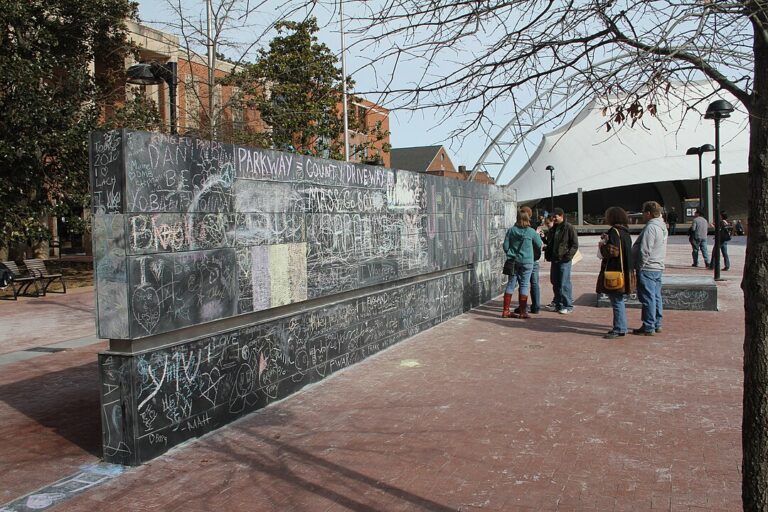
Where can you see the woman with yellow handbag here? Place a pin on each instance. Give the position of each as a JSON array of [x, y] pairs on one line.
[[616, 272]]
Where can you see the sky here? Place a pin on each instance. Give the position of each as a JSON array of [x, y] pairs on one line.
[[407, 129]]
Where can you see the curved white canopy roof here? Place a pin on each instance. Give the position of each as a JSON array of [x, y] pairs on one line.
[[585, 155]]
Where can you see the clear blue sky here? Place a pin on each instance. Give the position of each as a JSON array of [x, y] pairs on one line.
[[407, 128]]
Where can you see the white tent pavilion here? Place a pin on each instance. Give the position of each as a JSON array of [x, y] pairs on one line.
[[586, 155]]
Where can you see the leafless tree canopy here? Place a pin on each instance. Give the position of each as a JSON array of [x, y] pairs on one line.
[[477, 55]]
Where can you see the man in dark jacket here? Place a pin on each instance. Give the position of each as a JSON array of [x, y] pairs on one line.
[[562, 244]]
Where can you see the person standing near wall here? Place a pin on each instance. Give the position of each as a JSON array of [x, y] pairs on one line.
[[535, 296], [563, 242], [615, 248], [548, 229], [697, 236], [648, 254], [518, 246]]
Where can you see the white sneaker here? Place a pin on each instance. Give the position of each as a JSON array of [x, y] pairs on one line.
[[566, 311]]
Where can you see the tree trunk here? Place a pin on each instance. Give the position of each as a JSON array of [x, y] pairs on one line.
[[755, 286]]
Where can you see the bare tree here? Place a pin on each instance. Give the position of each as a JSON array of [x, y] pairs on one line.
[[212, 31], [476, 56]]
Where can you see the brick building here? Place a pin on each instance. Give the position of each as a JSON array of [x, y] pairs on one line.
[[193, 96]]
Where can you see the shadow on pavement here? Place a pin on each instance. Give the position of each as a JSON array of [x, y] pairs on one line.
[[287, 455], [546, 321], [65, 402]]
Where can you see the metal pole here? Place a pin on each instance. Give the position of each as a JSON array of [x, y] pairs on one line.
[[701, 185], [171, 81], [211, 71], [716, 213], [580, 192], [551, 191], [344, 82]]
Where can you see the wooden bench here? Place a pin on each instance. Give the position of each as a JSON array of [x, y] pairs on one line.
[[20, 281], [37, 268]]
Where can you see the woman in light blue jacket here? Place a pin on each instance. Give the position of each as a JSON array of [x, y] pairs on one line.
[[518, 245]]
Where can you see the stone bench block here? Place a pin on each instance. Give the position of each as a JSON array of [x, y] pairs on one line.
[[690, 293]]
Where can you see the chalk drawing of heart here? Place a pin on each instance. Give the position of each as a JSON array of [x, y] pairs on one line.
[[145, 305], [43, 500]]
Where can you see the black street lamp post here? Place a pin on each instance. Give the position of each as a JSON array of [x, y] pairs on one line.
[[551, 188], [717, 110], [700, 151], [154, 73]]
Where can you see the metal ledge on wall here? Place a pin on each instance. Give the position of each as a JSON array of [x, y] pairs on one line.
[[164, 340]]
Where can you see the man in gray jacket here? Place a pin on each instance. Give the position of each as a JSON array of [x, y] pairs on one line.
[[697, 236], [648, 253]]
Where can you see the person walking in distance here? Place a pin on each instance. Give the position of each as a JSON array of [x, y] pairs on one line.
[[534, 303], [738, 228], [697, 236], [725, 237], [518, 246], [672, 220], [615, 248], [648, 254], [562, 244]]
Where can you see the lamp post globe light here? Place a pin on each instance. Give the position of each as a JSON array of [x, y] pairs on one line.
[[551, 188], [153, 73], [717, 110], [700, 151]]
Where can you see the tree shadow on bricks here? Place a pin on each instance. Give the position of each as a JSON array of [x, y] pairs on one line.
[[331, 481], [65, 403]]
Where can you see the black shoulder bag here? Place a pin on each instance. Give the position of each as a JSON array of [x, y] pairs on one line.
[[509, 265]]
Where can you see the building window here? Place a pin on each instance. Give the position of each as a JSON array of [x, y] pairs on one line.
[[218, 105], [238, 109], [358, 115], [191, 103]]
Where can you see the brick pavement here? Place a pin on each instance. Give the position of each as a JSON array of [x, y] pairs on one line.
[[478, 413], [35, 321]]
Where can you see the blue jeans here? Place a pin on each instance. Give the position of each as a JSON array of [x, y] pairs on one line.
[[560, 275], [535, 289], [619, 311], [700, 245], [649, 295], [521, 277], [724, 252]]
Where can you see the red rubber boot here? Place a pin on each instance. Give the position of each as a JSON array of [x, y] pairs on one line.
[[505, 313], [523, 307]]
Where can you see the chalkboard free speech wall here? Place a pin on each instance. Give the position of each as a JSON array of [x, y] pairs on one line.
[[191, 232]]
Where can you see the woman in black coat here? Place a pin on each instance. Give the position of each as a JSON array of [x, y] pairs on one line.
[[616, 252]]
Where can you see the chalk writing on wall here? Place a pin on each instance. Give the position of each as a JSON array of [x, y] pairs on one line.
[[188, 389], [182, 289], [190, 232], [292, 227], [106, 161]]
